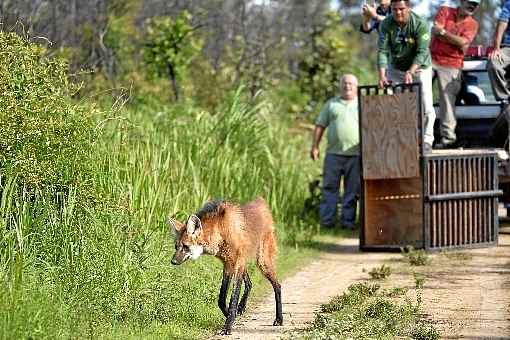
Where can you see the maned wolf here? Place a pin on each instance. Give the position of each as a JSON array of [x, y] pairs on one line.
[[232, 233]]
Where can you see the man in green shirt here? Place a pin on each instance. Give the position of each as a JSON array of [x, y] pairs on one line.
[[340, 117], [404, 41]]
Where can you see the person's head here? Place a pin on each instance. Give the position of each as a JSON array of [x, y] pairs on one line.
[[348, 86], [400, 10], [468, 7], [385, 3]]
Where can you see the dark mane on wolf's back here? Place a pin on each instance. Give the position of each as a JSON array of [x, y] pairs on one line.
[[210, 209]]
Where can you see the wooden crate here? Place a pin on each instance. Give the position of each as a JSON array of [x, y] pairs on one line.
[[437, 200]]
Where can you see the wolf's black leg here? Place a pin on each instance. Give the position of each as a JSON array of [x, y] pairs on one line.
[[278, 298], [232, 308], [244, 299], [222, 298]]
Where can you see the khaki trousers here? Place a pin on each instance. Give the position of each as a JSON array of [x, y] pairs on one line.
[[449, 85], [497, 70]]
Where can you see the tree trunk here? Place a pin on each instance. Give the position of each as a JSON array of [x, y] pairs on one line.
[[74, 17], [173, 81], [2, 18], [55, 21]]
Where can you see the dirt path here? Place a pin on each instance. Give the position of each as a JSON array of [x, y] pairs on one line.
[[466, 296], [303, 293], [470, 298]]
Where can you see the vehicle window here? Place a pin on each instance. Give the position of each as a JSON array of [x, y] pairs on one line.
[[476, 89]]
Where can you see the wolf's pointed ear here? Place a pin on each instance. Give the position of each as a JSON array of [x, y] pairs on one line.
[[221, 208], [194, 226], [175, 225]]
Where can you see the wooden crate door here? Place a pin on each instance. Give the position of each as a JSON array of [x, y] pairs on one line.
[[390, 136], [393, 213]]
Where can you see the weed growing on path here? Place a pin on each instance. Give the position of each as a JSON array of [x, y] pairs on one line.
[[367, 312], [380, 273], [419, 280], [415, 257]]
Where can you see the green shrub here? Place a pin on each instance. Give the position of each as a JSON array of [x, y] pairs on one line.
[[380, 273], [356, 294], [419, 280], [44, 137], [425, 331], [379, 308], [415, 257], [366, 312]]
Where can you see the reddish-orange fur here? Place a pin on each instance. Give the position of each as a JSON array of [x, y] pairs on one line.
[[233, 234]]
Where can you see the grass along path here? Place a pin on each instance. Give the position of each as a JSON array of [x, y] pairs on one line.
[[466, 294]]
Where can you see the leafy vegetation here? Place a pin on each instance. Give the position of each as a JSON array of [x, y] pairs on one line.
[[171, 46], [366, 311], [380, 273], [331, 53], [43, 134], [415, 257], [84, 250]]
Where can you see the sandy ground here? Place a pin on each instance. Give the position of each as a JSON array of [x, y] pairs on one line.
[[466, 296]]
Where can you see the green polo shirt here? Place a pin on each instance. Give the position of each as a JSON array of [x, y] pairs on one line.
[[404, 46], [340, 117]]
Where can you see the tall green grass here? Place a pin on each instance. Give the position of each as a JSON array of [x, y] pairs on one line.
[[92, 261]]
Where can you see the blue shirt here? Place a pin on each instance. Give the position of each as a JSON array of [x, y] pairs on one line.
[[505, 17]]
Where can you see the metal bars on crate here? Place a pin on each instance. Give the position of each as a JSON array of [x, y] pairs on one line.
[[461, 200]]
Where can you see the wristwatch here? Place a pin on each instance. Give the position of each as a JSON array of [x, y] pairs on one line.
[[442, 31]]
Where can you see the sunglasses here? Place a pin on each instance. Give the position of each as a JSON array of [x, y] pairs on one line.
[[472, 3]]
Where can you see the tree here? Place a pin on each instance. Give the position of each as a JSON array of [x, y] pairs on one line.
[[329, 54], [171, 46]]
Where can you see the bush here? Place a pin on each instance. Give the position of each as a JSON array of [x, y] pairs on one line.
[[380, 273], [367, 312], [415, 257], [425, 331], [44, 137]]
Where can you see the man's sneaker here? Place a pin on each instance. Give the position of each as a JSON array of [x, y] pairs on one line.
[[444, 144], [427, 148]]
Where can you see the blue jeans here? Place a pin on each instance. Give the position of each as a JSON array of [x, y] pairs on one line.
[[336, 166]]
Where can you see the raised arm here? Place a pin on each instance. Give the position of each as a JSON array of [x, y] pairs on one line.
[[462, 41]]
